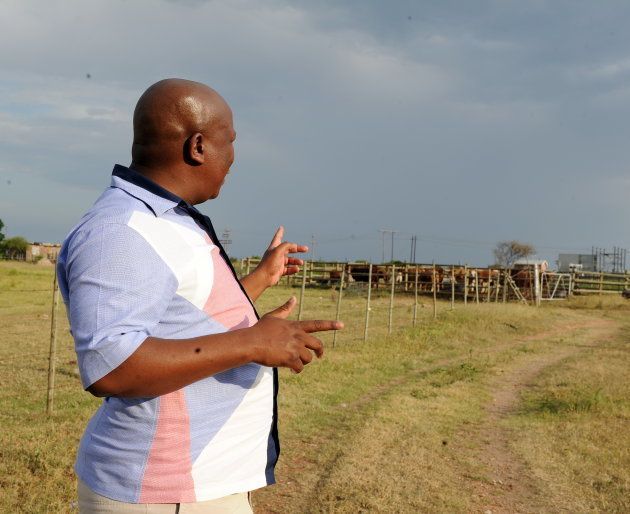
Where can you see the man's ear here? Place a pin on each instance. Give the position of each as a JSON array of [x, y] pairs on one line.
[[194, 149]]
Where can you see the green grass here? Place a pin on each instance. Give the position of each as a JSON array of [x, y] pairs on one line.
[[377, 426]]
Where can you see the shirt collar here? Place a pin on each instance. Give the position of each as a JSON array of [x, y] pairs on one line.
[[158, 199]]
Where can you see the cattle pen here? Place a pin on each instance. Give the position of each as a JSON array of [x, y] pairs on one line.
[[453, 282]]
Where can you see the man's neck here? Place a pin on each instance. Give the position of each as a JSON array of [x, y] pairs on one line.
[[172, 180]]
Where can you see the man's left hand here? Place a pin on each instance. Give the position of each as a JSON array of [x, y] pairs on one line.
[[275, 263]]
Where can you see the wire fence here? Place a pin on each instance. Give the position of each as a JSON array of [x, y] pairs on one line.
[[370, 295]]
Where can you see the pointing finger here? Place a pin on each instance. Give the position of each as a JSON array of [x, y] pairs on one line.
[[320, 325]]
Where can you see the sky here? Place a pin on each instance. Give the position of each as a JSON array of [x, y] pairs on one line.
[[462, 123]]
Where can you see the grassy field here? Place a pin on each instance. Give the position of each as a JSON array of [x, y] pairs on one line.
[[504, 408]]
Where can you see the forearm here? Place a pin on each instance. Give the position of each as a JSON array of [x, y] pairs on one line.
[[255, 284], [161, 366]]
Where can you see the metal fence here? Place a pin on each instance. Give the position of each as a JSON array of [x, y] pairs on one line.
[[449, 283]]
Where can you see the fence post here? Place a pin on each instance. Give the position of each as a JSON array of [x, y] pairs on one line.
[[302, 290], [505, 283], [391, 301], [367, 305], [477, 286], [488, 285], [465, 284], [452, 288], [497, 286], [247, 266], [601, 282], [52, 353], [343, 276], [537, 286], [415, 292], [434, 293]]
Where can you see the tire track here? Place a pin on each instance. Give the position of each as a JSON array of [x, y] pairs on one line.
[[510, 488]]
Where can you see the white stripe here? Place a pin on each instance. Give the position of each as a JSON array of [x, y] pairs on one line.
[[184, 251], [237, 454]]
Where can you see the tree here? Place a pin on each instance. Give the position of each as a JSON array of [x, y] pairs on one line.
[[507, 253], [1, 234], [14, 247]]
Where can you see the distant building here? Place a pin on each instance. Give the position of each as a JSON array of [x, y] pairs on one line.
[[568, 262], [40, 251], [526, 262]]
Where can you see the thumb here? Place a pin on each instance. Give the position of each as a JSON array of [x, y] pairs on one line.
[[277, 238], [284, 310]]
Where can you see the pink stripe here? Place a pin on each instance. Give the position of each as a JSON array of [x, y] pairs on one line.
[[227, 304], [167, 477]]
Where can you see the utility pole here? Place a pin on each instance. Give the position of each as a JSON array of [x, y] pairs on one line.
[[384, 231], [412, 254], [393, 232], [313, 241], [225, 238]]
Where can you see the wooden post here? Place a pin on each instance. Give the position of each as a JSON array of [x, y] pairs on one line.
[[247, 268], [601, 282], [466, 284], [391, 301], [343, 276], [434, 293], [505, 283], [415, 292], [537, 288], [52, 353], [302, 291], [488, 285], [497, 286], [452, 288], [240, 268], [476, 286], [367, 305]]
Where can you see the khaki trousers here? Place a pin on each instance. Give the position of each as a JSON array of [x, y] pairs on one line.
[[93, 503]]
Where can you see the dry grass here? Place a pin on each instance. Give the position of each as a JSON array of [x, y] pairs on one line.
[[575, 430], [385, 426]]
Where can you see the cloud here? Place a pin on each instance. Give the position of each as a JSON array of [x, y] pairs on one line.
[[470, 119]]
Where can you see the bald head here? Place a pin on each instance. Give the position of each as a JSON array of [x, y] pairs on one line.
[[182, 138], [168, 113]]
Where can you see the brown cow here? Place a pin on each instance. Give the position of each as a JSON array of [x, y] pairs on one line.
[[425, 277]]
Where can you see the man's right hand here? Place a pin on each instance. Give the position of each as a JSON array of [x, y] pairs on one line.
[[161, 366], [281, 342]]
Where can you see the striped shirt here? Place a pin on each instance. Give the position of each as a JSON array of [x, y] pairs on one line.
[[144, 263]]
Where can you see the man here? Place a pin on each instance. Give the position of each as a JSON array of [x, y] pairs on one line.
[[164, 330]]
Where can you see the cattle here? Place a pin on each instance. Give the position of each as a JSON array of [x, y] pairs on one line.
[[524, 280], [425, 277], [360, 273], [486, 279]]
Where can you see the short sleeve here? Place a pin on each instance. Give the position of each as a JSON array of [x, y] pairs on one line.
[[118, 290]]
